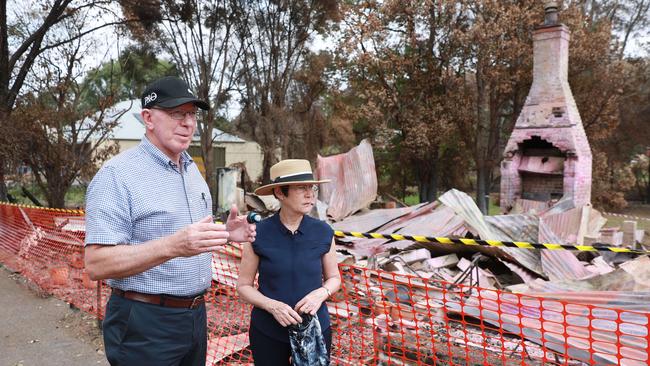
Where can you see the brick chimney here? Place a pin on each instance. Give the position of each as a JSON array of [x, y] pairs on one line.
[[547, 157]]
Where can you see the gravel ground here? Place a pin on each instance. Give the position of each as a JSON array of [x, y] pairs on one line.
[[36, 329]]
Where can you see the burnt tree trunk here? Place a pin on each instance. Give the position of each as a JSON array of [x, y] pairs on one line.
[[482, 140], [428, 180], [647, 187]]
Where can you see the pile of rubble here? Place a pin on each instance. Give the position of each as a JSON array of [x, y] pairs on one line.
[[344, 204], [457, 216], [462, 272]]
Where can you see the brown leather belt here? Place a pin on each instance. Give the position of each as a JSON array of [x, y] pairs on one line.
[[162, 300]]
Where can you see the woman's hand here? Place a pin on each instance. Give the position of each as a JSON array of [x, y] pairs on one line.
[[283, 313], [312, 302]]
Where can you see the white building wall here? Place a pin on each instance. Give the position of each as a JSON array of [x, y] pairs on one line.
[[127, 144], [247, 152]]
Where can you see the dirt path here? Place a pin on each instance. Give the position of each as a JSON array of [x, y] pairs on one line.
[[37, 330]]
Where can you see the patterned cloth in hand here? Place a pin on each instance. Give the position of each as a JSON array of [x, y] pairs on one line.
[[307, 344]]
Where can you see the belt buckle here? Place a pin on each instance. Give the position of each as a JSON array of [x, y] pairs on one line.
[[195, 302]]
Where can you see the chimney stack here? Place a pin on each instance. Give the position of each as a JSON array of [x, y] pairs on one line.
[[547, 157], [550, 10]]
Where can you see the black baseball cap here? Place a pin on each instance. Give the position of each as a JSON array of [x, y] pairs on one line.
[[170, 92]]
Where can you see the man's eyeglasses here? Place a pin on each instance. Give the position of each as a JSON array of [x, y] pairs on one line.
[[179, 115], [306, 188]]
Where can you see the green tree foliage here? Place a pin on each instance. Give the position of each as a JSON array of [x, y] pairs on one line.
[[27, 30], [127, 76]]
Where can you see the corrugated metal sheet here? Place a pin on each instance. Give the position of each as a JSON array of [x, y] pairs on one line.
[[583, 292], [519, 227], [555, 265], [559, 265], [440, 222], [632, 276], [372, 220], [624, 300], [354, 181], [565, 225], [596, 222], [391, 227], [565, 204], [465, 207], [423, 220]]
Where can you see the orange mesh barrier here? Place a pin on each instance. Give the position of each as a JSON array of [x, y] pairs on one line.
[[46, 246], [378, 317]]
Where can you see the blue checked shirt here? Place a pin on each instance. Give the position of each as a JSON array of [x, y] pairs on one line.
[[141, 195]]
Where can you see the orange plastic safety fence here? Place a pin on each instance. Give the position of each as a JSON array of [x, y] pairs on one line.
[[46, 246], [378, 317], [383, 317]]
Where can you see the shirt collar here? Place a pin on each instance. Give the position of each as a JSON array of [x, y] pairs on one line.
[[284, 229], [160, 157]]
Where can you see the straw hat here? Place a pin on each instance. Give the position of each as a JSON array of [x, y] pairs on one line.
[[289, 172]]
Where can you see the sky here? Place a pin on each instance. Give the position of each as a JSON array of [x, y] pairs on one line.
[[638, 47]]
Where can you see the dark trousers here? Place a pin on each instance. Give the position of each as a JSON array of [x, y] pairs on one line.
[[141, 334], [268, 351]]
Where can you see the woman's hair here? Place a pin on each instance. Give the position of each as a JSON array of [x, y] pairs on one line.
[[284, 189]]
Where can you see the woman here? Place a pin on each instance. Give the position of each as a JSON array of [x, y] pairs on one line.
[[296, 260]]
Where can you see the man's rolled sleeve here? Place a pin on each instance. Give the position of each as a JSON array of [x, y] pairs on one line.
[[108, 213]]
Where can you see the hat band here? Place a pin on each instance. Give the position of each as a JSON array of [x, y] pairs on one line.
[[294, 178]]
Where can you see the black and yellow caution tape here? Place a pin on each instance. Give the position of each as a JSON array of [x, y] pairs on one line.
[[598, 247], [62, 210]]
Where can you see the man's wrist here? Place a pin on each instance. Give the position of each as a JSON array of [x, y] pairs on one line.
[[168, 245]]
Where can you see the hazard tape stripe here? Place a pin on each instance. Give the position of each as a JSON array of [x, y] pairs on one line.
[[62, 210], [598, 247]]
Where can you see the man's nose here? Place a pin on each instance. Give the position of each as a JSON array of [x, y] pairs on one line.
[[187, 120]]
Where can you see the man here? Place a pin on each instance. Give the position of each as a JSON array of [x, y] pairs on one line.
[[150, 232]]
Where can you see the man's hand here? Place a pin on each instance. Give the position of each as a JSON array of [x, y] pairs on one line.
[[312, 302], [199, 237], [283, 313], [239, 229]]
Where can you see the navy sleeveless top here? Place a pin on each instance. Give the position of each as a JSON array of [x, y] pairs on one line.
[[290, 267]]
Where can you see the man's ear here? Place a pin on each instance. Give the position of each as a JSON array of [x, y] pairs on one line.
[[146, 118]]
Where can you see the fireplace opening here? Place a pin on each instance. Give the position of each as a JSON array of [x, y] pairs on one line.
[[536, 146], [541, 170]]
